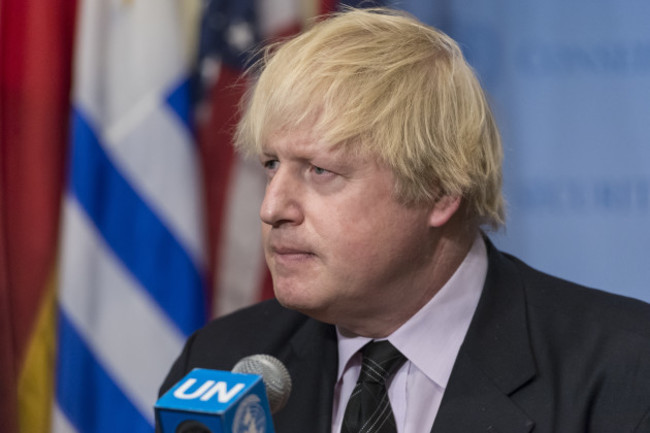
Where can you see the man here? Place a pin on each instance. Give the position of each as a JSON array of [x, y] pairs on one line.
[[383, 164]]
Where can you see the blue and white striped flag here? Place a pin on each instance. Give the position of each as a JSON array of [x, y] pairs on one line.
[[132, 261]]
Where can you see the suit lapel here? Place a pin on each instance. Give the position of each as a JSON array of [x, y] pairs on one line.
[[474, 404], [312, 361], [494, 361]]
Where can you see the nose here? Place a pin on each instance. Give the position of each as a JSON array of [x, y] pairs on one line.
[[282, 203]]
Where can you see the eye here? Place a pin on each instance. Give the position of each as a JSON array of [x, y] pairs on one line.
[[319, 170], [321, 175], [270, 164], [270, 167]]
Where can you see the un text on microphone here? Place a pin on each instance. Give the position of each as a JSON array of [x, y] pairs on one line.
[[211, 401]]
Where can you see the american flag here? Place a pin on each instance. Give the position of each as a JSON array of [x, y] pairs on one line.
[[234, 186]]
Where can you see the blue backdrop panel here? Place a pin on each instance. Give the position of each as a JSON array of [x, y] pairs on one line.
[[570, 86]]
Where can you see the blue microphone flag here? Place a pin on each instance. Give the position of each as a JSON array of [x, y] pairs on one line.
[[211, 401]]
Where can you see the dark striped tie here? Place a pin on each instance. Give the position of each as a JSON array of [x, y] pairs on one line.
[[368, 409]]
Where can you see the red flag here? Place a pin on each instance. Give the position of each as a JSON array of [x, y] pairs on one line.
[[35, 67]]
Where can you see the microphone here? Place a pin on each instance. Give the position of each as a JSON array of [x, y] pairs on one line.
[[212, 401]]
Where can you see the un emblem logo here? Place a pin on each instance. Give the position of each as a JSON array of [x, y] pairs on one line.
[[250, 416]]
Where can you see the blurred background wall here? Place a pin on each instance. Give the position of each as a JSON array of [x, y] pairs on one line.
[[126, 220]]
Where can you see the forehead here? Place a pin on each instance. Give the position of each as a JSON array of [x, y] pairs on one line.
[[303, 142]]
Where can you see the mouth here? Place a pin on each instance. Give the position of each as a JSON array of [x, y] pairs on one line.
[[289, 254]]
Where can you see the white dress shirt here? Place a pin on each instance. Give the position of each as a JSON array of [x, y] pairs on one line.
[[430, 340]]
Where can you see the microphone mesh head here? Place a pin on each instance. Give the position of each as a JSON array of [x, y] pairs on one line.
[[274, 374]]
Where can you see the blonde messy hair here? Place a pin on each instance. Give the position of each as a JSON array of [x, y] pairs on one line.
[[380, 82]]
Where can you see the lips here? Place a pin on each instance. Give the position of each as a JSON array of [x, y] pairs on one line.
[[283, 250], [289, 254]]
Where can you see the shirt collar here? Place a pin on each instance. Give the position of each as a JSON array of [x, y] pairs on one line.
[[432, 337]]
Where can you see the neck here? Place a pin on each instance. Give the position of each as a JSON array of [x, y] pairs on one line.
[[449, 249]]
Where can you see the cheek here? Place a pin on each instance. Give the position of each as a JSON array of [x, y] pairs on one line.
[[266, 229], [362, 246], [396, 238]]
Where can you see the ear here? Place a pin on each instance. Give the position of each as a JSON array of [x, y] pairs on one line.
[[443, 209]]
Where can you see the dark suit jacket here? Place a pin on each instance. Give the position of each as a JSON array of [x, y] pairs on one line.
[[541, 355]]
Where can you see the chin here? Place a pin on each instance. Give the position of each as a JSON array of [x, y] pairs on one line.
[[304, 304], [294, 302]]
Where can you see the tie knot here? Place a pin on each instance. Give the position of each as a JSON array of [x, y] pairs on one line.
[[380, 360]]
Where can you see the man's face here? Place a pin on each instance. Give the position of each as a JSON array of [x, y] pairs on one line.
[[341, 248]]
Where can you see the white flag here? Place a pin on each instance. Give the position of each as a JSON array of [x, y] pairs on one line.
[[132, 260]]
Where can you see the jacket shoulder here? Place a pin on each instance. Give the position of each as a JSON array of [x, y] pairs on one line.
[[266, 328], [262, 328], [595, 344], [580, 306]]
